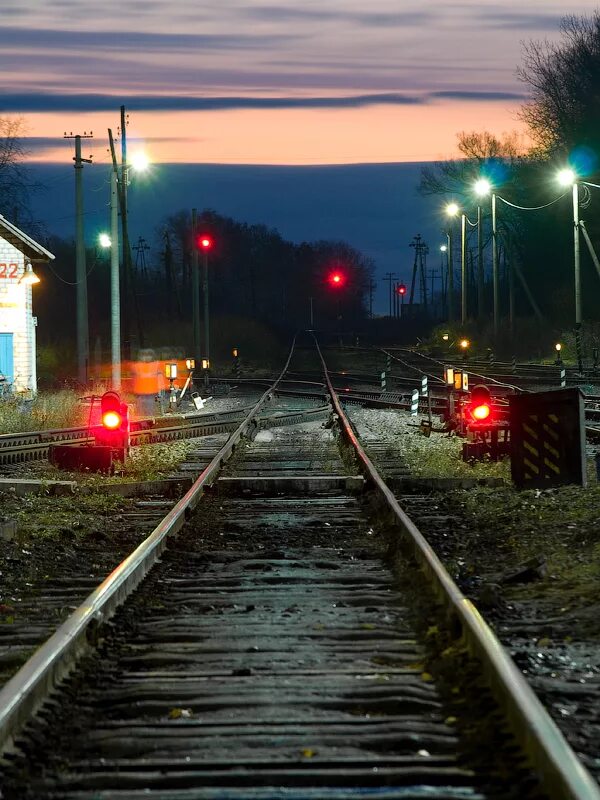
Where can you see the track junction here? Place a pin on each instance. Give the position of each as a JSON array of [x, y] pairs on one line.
[[274, 650]]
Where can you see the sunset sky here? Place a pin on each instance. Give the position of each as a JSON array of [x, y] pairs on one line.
[[269, 82], [236, 102]]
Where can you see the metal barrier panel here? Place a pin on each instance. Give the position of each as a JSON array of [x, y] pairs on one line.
[[547, 432]]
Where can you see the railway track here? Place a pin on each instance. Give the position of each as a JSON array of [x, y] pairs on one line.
[[270, 653]]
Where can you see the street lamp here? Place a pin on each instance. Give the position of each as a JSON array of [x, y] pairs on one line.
[[112, 241], [567, 177], [558, 348], [451, 211], [482, 189]]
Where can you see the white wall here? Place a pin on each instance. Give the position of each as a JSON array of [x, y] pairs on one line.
[[16, 317]]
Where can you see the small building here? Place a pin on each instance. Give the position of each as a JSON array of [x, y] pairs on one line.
[[18, 254]]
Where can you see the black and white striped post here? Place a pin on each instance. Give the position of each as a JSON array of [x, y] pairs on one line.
[[414, 403], [388, 362], [424, 386], [514, 365], [383, 382], [563, 378]]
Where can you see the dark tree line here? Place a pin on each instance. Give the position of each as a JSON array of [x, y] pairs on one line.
[[255, 278], [255, 273]]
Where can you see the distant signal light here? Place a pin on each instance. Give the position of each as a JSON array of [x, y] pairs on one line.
[[337, 279]]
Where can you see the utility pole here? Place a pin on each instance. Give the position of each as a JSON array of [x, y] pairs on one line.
[[83, 340], [129, 292], [432, 274], [420, 265], [140, 256], [115, 284], [480, 309], [372, 285], [126, 249], [389, 277]]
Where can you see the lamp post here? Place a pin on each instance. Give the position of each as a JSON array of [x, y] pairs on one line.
[[482, 189], [115, 289], [451, 210], [463, 268], [567, 177], [443, 270]]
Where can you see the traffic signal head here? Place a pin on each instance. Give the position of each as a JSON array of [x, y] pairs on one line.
[[110, 411], [480, 404], [401, 289], [114, 428]]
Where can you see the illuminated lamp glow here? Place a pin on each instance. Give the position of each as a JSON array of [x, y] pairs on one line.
[[482, 187], [111, 420], [481, 412], [566, 177], [140, 161]]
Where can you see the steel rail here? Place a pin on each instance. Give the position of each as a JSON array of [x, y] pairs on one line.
[[560, 772], [24, 693], [193, 426]]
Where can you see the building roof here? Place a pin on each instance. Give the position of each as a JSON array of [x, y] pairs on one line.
[[30, 249]]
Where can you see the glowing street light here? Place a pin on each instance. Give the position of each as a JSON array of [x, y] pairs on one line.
[[566, 177], [558, 348], [104, 240], [139, 161], [482, 187], [464, 344]]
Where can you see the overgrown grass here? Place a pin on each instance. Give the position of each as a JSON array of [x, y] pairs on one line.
[[57, 410]]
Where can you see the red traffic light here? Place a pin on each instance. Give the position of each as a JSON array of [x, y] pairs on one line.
[[114, 427], [401, 288], [337, 279], [204, 242], [111, 411], [480, 404]]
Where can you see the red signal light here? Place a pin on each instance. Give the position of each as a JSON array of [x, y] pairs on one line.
[[481, 412], [337, 279], [401, 289], [480, 405], [111, 420], [204, 242]]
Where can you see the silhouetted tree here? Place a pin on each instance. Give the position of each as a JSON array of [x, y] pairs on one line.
[[564, 80]]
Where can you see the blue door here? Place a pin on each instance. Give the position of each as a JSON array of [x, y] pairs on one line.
[[6, 358]]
